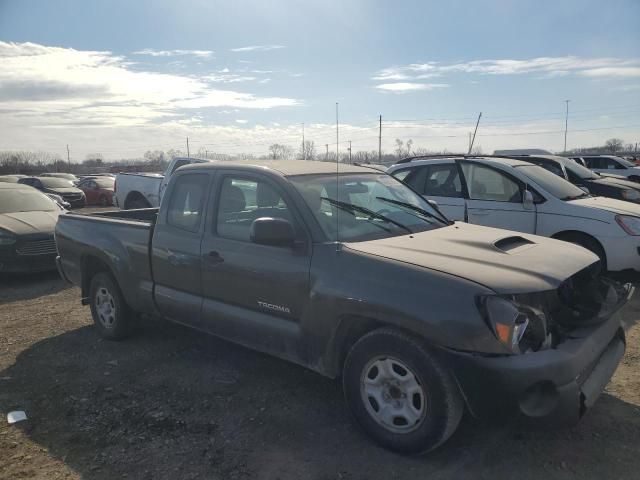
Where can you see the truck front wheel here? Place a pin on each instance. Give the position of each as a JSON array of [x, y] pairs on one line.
[[111, 314], [399, 393]]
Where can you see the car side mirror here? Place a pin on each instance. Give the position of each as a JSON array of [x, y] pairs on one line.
[[433, 203], [276, 232], [527, 200]]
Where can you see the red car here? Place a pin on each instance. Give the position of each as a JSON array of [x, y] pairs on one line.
[[98, 190]]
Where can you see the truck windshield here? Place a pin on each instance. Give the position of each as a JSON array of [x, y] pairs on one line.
[[581, 172], [367, 206], [55, 182]]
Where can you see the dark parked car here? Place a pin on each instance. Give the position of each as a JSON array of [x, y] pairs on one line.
[[357, 276], [595, 183], [98, 190], [57, 186], [27, 222]]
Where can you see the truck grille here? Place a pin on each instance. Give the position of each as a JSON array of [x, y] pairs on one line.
[[37, 247]]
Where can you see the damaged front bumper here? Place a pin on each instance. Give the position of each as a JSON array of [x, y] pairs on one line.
[[556, 385]]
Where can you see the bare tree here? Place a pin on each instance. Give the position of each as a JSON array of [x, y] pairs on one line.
[[614, 145], [399, 150], [308, 150], [280, 152]]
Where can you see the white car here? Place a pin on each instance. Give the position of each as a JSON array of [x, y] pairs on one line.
[[520, 196], [144, 190], [610, 164]]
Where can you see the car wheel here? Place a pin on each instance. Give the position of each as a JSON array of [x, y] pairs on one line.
[[400, 393], [137, 203], [111, 314]]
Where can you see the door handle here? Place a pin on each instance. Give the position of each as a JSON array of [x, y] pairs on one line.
[[215, 257]]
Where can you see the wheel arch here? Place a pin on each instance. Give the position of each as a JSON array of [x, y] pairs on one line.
[[566, 234], [133, 196], [91, 265]]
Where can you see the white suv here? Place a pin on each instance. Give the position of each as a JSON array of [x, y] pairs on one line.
[[516, 195], [610, 164]]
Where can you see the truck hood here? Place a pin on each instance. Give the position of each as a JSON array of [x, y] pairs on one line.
[[619, 207], [24, 223], [504, 261], [618, 181]]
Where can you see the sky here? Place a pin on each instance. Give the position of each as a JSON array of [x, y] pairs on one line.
[[121, 77]]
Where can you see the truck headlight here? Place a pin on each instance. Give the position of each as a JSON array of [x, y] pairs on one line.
[[508, 322], [631, 195], [629, 224], [7, 238]]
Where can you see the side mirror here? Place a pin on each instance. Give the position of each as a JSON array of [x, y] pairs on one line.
[[527, 200], [585, 190], [433, 203], [276, 232]]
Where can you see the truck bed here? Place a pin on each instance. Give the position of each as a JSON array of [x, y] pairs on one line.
[[118, 240]]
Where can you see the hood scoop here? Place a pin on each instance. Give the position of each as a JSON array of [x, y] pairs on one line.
[[513, 244]]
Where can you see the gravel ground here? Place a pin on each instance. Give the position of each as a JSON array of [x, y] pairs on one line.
[[172, 403]]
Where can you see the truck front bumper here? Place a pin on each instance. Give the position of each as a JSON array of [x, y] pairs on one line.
[[556, 385]]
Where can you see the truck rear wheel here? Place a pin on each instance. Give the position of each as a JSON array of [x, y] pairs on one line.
[[399, 393], [111, 314]]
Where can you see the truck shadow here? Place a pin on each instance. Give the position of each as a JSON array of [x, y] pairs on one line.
[[27, 286], [173, 403]]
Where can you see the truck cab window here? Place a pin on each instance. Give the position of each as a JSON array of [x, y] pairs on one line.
[[244, 200], [178, 164], [186, 203]]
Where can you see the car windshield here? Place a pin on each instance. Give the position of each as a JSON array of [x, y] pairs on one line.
[[582, 172], [556, 186], [24, 200], [625, 162], [55, 182], [368, 206]]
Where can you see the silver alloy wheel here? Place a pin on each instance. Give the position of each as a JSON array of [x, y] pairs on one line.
[[105, 307], [392, 395]]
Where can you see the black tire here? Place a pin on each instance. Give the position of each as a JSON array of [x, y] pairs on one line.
[[136, 202], [113, 323], [590, 244], [441, 402]]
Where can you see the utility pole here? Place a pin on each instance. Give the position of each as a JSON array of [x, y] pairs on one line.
[[206, 154], [380, 141], [304, 153], [337, 136], [349, 151], [566, 123], [326, 155], [470, 134], [188, 154], [473, 139]]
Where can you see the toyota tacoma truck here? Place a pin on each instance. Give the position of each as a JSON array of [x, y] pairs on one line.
[[144, 190], [352, 274]]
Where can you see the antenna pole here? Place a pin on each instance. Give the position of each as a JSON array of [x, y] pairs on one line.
[[68, 158], [350, 152], [474, 134], [188, 155], [337, 183], [380, 141], [304, 153]]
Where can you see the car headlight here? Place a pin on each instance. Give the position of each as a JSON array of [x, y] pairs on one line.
[[631, 195], [517, 327], [7, 238], [629, 224]]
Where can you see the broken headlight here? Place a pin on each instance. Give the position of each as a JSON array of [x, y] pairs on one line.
[[517, 327]]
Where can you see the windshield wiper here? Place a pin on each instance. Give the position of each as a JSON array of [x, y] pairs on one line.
[[575, 197], [350, 207], [414, 208]]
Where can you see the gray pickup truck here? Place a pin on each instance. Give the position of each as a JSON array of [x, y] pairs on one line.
[[354, 275]]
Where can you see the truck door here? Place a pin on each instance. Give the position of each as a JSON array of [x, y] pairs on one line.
[[176, 249], [495, 199], [254, 294]]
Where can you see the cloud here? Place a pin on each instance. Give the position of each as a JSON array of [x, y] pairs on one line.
[[174, 53], [403, 87], [547, 67], [242, 122], [257, 48], [63, 86]]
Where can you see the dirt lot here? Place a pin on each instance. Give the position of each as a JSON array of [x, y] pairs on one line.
[[172, 403]]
